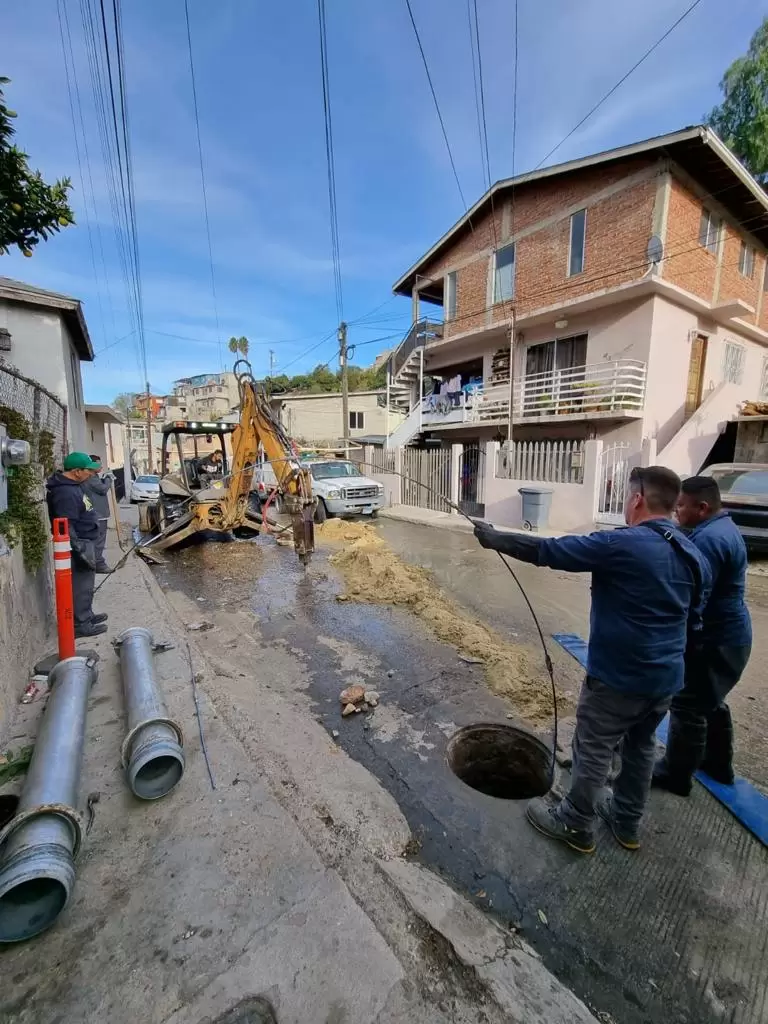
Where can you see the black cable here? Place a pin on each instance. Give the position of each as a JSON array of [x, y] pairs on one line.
[[330, 160], [620, 82], [437, 105], [202, 180]]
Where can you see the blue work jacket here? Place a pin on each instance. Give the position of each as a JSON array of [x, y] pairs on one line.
[[726, 620]]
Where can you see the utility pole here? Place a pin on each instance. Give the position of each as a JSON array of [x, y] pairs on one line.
[[343, 362], [271, 363], [150, 461]]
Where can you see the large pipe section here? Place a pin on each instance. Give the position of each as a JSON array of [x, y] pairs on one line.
[[38, 847], [153, 758]]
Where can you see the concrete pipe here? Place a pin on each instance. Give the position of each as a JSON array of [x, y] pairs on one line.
[[39, 845], [153, 758]]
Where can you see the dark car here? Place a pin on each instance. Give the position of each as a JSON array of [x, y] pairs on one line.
[[744, 487]]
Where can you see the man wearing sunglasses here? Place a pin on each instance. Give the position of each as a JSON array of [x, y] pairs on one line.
[[649, 586]]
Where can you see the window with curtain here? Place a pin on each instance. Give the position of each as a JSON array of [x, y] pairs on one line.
[[577, 243], [504, 274]]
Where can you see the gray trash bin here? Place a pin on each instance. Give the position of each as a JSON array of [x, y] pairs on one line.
[[537, 502]]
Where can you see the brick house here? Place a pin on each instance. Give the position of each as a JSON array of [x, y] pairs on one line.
[[629, 288]]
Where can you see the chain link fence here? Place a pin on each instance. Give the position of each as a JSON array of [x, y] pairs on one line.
[[42, 410]]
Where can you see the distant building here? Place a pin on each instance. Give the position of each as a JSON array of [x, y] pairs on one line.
[[318, 418], [206, 396], [44, 337]]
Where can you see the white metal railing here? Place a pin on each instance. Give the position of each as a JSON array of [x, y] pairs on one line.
[[557, 462], [610, 386]]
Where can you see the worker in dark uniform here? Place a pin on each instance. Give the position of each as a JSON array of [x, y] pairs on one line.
[[67, 500], [700, 726], [97, 487], [648, 586]]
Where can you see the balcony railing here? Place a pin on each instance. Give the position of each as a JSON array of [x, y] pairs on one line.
[[419, 335], [614, 388]]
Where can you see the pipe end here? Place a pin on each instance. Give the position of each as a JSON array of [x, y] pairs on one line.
[[35, 886], [156, 764]]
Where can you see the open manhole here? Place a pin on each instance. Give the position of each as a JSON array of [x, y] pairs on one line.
[[500, 761], [9, 804]]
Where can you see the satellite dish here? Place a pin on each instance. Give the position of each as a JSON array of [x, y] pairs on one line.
[[655, 250]]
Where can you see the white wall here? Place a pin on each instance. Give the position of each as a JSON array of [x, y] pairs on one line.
[[40, 349], [317, 418]]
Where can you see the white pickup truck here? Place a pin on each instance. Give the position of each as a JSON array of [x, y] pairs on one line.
[[340, 487]]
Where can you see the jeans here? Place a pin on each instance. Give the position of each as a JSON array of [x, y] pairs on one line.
[[101, 541], [700, 727], [605, 718], [83, 581]]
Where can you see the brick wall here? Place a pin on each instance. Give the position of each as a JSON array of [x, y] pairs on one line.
[[687, 264], [618, 229], [733, 284]]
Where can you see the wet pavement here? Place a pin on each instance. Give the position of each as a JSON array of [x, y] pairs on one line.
[[675, 933]]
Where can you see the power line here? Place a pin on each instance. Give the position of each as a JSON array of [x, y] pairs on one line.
[[330, 160], [437, 105], [202, 180], [620, 82]]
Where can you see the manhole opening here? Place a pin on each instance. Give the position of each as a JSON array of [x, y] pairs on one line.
[[500, 761], [9, 804]]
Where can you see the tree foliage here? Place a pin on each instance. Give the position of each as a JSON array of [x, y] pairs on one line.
[[239, 346], [321, 380], [124, 403], [741, 120], [30, 210]]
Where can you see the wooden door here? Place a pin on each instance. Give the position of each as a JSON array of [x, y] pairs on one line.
[[696, 366]]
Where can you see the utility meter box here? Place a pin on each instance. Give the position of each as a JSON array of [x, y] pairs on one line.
[[12, 453]]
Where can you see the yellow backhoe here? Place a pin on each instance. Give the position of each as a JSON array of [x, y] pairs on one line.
[[205, 495]]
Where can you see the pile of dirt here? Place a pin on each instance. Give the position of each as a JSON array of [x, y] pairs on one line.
[[347, 530], [374, 574]]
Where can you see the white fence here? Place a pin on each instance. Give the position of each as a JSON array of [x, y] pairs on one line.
[[558, 462], [426, 481]]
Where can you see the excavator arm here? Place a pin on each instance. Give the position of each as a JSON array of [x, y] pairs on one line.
[[259, 427]]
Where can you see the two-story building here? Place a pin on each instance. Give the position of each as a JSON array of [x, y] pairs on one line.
[[208, 396], [619, 297]]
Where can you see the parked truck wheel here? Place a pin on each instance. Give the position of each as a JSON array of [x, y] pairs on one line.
[[321, 512]]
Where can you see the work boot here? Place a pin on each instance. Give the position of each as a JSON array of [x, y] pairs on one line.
[[718, 760], [101, 617], [661, 779], [624, 835], [103, 569], [91, 628], [546, 820]]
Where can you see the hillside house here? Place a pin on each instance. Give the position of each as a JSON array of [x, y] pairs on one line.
[[625, 291]]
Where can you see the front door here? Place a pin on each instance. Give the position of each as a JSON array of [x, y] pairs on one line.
[[696, 366]]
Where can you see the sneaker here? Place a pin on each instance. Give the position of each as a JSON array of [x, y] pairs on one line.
[[626, 837], [544, 819], [101, 617], [661, 779], [91, 628]]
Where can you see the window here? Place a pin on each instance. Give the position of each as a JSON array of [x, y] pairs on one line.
[[576, 246], [450, 296], [709, 231], [747, 260], [733, 363], [73, 363], [504, 274], [764, 379], [356, 421]]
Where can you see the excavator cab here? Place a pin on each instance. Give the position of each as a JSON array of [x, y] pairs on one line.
[[193, 459]]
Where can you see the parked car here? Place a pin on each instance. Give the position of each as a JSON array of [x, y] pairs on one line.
[[744, 489], [145, 488], [340, 487]]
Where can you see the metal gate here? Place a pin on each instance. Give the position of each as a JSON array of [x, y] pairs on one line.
[[471, 480], [427, 478], [614, 479]]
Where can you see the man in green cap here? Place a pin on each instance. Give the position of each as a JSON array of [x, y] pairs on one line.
[[67, 500]]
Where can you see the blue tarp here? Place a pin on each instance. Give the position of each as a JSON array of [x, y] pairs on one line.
[[743, 800]]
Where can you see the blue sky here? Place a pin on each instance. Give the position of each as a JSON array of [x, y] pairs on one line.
[[258, 80]]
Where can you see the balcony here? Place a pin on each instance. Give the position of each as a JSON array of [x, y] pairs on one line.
[[612, 390]]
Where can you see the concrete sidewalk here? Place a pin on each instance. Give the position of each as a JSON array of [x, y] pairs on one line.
[[450, 521], [187, 909]]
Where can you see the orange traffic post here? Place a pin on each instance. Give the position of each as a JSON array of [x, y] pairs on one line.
[[62, 564]]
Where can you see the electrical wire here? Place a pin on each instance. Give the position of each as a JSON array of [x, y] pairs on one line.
[[437, 105], [202, 182], [330, 161], [620, 82]]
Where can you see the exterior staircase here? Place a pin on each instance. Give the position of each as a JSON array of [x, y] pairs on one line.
[[687, 451], [404, 370]]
